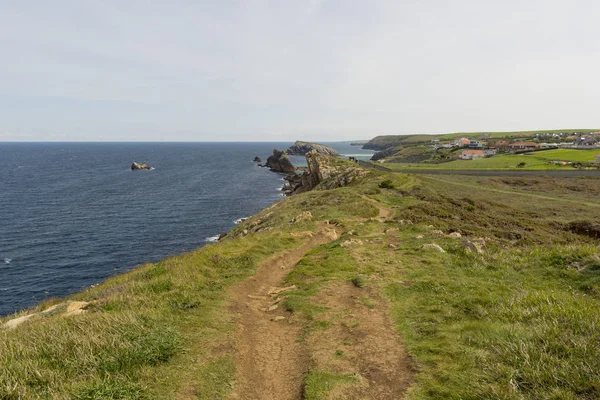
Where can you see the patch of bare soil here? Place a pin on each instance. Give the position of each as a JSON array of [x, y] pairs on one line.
[[271, 363], [385, 213], [361, 341]]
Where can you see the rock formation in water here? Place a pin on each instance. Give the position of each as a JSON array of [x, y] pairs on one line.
[[135, 166], [279, 162], [301, 148], [257, 159]]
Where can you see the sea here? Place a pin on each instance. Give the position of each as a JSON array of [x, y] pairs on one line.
[[74, 214]]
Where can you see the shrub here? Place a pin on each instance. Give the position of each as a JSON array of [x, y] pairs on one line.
[[387, 184]]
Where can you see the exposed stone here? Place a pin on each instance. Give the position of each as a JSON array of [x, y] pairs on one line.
[[304, 216], [351, 242], [65, 309], [135, 166], [438, 233], [326, 171], [585, 263], [454, 235], [257, 159], [279, 162], [433, 246], [419, 237], [13, 323], [279, 290], [301, 148], [330, 234], [474, 246], [277, 318], [392, 246]]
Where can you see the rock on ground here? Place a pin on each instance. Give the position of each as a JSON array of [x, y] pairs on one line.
[[433, 246]]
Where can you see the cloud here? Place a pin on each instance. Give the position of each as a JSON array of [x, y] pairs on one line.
[[319, 69]]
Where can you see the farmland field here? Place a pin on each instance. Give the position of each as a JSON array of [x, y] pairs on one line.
[[537, 160]]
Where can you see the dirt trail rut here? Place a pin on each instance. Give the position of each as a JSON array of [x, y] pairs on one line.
[[270, 362]]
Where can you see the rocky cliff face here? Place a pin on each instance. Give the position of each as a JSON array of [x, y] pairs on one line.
[[301, 148], [279, 162], [326, 171]]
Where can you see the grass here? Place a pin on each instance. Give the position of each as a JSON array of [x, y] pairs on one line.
[[518, 321], [537, 160], [148, 335], [320, 383]]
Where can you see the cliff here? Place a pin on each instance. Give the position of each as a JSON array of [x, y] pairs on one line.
[[327, 171], [301, 148]]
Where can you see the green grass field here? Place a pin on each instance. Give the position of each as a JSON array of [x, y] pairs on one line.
[[535, 160]]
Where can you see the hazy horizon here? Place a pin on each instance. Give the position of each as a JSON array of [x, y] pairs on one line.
[[316, 70]]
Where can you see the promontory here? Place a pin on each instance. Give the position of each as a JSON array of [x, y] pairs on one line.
[[301, 148]]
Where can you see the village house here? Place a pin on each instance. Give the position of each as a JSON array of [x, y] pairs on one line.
[[501, 145], [462, 142], [587, 140], [519, 146], [472, 154]]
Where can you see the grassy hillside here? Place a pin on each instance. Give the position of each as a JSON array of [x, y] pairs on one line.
[[538, 160], [507, 307]]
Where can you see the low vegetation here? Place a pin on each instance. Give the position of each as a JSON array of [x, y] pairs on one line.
[[508, 309]]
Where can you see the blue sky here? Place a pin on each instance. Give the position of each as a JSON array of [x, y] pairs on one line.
[[284, 70]]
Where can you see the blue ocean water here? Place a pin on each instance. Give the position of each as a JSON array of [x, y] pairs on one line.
[[73, 214]]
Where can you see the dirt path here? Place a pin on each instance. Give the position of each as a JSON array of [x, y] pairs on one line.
[[361, 342], [270, 362]]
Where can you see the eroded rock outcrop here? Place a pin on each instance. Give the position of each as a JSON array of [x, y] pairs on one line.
[[279, 162], [135, 166], [301, 148], [330, 172], [257, 159]]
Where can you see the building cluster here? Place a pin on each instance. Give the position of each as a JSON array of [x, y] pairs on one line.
[[484, 146]]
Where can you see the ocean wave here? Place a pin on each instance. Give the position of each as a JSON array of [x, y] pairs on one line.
[[212, 239], [240, 220]]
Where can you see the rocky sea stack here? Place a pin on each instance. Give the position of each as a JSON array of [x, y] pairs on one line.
[[301, 148], [279, 162], [257, 159], [135, 166]]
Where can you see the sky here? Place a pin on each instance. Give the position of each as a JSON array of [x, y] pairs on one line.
[[257, 70]]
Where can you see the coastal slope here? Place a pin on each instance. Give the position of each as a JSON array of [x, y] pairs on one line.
[[389, 286]]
